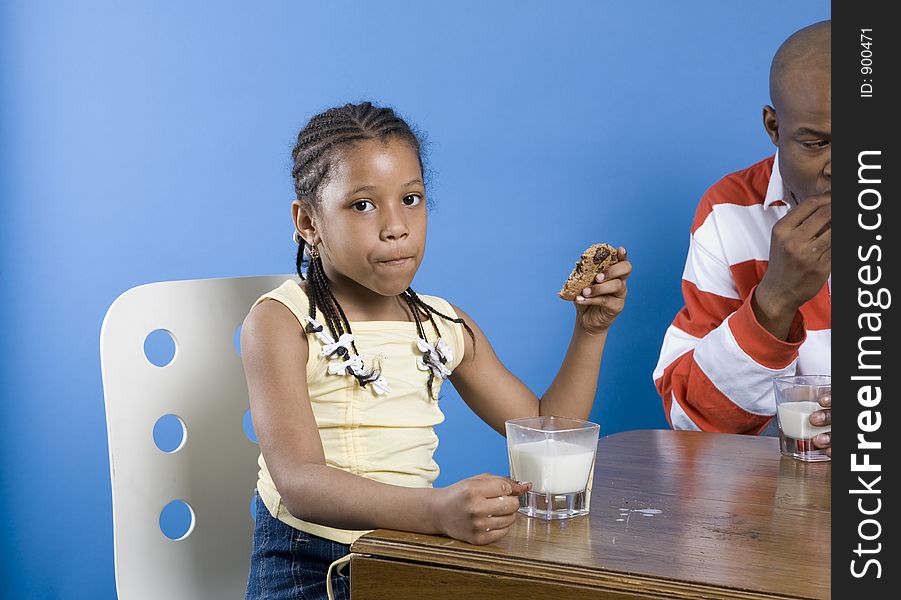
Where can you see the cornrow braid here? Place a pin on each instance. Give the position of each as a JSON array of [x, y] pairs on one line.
[[318, 300], [430, 310], [315, 153], [321, 297], [421, 331]]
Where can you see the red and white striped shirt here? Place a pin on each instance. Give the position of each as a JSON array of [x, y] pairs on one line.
[[717, 363]]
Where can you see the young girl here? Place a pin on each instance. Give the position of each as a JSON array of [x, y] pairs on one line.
[[344, 367]]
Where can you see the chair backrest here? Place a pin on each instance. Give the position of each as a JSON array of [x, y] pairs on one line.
[[213, 471]]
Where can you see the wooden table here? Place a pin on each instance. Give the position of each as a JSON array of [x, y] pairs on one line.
[[736, 520]]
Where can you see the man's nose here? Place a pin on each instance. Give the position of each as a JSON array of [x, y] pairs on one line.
[[827, 168]]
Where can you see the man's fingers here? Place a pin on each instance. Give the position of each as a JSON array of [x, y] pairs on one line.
[[822, 440], [821, 418], [816, 222], [821, 248], [823, 241], [806, 208]]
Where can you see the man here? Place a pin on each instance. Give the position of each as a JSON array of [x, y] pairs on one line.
[[757, 280]]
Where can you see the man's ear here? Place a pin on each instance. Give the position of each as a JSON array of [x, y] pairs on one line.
[[305, 221], [771, 124]]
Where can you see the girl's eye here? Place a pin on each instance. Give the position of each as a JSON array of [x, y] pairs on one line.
[[363, 206], [412, 199]]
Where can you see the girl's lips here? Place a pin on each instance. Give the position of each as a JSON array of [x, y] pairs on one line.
[[396, 262]]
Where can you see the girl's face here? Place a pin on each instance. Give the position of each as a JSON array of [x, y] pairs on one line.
[[370, 223]]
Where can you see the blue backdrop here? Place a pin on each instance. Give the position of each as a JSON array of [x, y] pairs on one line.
[[147, 141]]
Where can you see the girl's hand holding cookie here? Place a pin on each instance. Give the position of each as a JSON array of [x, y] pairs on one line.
[[598, 304]]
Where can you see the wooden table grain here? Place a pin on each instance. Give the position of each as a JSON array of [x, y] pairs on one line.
[[674, 514]]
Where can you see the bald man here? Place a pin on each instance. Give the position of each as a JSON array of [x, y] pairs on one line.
[[757, 280]]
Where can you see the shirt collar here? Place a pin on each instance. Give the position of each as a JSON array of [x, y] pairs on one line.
[[774, 191]]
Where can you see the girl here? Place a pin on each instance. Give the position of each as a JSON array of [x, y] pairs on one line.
[[344, 367]]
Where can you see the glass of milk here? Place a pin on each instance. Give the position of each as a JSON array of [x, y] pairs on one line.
[[557, 455], [797, 398]]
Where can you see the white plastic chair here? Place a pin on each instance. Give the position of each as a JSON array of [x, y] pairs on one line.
[[214, 469]]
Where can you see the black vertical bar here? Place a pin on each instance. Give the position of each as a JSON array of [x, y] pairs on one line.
[[866, 260]]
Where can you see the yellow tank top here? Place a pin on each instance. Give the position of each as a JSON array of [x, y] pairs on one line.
[[389, 437]]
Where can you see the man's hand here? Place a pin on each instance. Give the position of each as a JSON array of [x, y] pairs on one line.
[[823, 418], [800, 262]]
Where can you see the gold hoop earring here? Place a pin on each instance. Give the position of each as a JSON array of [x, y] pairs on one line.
[[314, 253]]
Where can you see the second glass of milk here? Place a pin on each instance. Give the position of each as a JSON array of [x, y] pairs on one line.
[[797, 398]]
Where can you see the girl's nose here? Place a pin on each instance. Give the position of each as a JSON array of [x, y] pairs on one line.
[[394, 227]]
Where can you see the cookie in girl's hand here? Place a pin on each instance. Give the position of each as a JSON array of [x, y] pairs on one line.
[[597, 259]]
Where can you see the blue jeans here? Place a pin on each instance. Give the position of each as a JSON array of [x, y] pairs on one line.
[[288, 564]]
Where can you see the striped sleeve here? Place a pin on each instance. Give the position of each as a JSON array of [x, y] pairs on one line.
[[717, 362]]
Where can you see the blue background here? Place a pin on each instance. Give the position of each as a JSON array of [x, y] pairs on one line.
[[147, 141]]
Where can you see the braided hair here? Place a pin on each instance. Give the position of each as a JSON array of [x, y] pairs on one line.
[[314, 154]]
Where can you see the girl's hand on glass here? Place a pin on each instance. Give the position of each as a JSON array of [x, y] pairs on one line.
[[480, 509]]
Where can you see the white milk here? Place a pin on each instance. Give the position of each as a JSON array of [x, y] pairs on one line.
[[794, 418], [553, 467]]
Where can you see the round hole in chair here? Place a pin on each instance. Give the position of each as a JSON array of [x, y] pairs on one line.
[[177, 520], [159, 347], [170, 433], [248, 428], [237, 340]]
